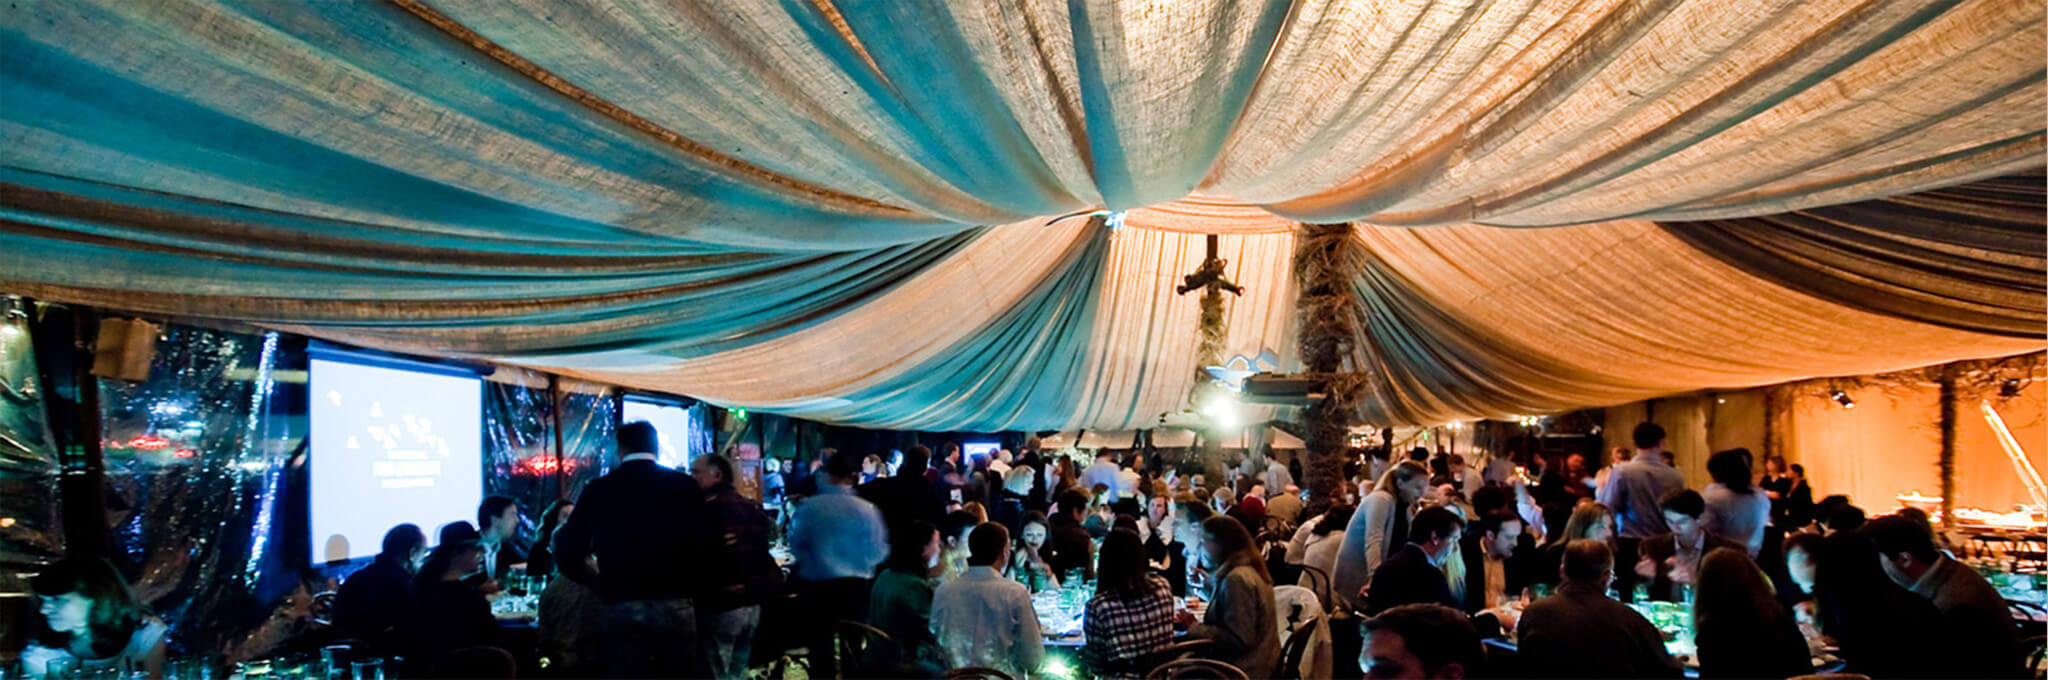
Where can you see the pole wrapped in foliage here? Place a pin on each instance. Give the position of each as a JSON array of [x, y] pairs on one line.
[[1327, 260]]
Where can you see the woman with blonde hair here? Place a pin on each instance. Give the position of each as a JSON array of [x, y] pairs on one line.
[[1590, 519]]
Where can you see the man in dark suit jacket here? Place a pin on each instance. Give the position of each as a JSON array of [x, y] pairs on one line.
[[1493, 560], [1412, 575], [499, 522], [1670, 560], [650, 531], [906, 496], [1068, 547]]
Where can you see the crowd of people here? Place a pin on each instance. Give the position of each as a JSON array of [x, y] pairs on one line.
[[667, 573]]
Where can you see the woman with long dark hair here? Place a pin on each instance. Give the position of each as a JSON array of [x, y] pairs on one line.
[[901, 602], [1027, 563], [93, 622], [1736, 509], [1741, 629], [1589, 519], [1242, 618], [1131, 614], [541, 561]]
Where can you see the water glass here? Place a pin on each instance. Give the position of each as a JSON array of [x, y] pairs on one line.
[[367, 669], [61, 667]]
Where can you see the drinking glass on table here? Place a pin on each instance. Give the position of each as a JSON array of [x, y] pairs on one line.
[[367, 669]]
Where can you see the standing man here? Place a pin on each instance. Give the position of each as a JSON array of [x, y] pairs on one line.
[[647, 526], [1277, 476], [1105, 472], [740, 570], [836, 539], [908, 496], [1634, 489], [499, 517]]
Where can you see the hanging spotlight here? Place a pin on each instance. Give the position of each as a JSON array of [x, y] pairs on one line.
[[1842, 398], [2009, 388]]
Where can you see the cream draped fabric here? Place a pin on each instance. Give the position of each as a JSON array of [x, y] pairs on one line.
[[840, 209]]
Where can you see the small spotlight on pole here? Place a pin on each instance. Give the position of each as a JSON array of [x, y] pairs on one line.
[[1842, 398]]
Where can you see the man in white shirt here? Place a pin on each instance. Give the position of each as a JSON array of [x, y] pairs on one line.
[[499, 518], [1105, 472], [1000, 464], [983, 619]]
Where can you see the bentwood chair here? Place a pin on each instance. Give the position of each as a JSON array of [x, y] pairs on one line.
[[1145, 663], [1296, 648], [1317, 580], [1197, 669], [2035, 649], [862, 650]]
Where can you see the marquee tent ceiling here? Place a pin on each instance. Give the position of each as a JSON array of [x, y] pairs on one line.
[[840, 210]]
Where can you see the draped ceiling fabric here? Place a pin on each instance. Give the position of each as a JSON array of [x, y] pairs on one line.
[[845, 210]]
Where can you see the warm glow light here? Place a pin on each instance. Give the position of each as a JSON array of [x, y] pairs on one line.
[[2028, 474]]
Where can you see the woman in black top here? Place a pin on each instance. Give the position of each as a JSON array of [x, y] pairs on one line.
[[452, 614], [1741, 630]]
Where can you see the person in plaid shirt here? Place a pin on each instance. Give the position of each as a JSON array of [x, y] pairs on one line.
[[1132, 612]]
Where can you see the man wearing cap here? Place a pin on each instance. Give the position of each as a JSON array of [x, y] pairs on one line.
[[648, 528]]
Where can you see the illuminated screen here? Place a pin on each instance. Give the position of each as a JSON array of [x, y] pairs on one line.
[[670, 421], [390, 446], [970, 453]]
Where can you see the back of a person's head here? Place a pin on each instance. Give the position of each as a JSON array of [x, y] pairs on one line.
[[1418, 454], [1335, 519], [915, 460], [844, 464], [985, 545], [1437, 635], [1893, 534], [1845, 517], [721, 464], [1587, 561], [638, 436], [1434, 523], [956, 523], [1803, 542], [1685, 502], [1487, 499], [1648, 435], [1018, 480], [401, 540], [1121, 565], [1440, 465], [1073, 500], [1730, 468], [1731, 589], [907, 542]]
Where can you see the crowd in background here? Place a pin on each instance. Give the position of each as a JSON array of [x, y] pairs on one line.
[[667, 573]]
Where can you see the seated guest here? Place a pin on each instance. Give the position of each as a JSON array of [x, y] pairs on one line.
[[1800, 552], [375, 603], [1164, 549], [983, 619], [1741, 630], [1589, 519], [451, 614], [1325, 537], [648, 528], [1251, 512], [571, 617], [1028, 565], [1494, 574], [1131, 614], [1099, 515], [901, 603], [1671, 560], [93, 620], [1579, 632], [1736, 510], [740, 572], [1972, 611], [953, 542], [1070, 548], [906, 495], [1884, 630], [541, 560], [1243, 619], [1426, 641], [1285, 506], [498, 524], [1414, 574]]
